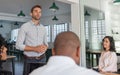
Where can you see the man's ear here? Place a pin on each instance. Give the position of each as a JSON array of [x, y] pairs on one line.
[[53, 51], [78, 55], [78, 52]]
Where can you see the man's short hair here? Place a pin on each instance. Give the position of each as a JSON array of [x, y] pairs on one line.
[[36, 6]]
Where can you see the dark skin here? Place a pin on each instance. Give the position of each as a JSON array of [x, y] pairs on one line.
[[67, 46]]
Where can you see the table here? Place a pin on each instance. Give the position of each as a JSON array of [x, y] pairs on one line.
[[91, 53], [13, 63]]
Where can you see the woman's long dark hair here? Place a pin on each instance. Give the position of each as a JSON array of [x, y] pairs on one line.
[[112, 44]]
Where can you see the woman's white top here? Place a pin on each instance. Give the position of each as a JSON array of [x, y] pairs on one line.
[[108, 62]]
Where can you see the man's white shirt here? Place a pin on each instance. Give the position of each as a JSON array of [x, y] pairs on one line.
[[62, 65], [31, 35]]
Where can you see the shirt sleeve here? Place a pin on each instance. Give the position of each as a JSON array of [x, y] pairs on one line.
[[100, 61], [111, 63], [20, 39], [45, 38]]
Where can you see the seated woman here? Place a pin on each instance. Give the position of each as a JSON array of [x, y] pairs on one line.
[[108, 58], [3, 56]]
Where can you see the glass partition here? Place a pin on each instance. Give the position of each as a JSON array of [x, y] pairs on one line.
[[94, 33]]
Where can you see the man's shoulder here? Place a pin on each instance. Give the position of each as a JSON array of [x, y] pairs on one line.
[[85, 71], [77, 71], [42, 25], [25, 25]]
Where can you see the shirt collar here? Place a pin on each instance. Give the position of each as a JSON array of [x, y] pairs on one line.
[[60, 60], [34, 23]]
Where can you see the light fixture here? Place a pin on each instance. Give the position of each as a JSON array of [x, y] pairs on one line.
[[21, 14], [55, 18], [1, 26], [86, 13], [54, 7], [116, 2], [16, 23], [113, 32]]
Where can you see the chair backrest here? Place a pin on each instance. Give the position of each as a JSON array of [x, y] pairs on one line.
[[118, 62], [4, 72]]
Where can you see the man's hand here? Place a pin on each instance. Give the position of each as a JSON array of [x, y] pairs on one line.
[[40, 48]]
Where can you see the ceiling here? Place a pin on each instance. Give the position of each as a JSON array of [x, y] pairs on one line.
[[14, 6]]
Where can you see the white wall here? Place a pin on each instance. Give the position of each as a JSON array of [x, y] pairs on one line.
[[112, 14], [112, 19], [95, 4], [69, 1], [5, 31], [13, 17], [92, 3], [63, 18]]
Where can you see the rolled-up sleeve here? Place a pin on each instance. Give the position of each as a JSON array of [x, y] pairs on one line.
[[20, 39], [45, 38]]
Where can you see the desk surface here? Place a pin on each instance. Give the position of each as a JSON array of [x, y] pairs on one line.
[[95, 51], [10, 57], [98, 51]]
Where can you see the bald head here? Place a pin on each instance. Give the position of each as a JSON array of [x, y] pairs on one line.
[[66, 43]]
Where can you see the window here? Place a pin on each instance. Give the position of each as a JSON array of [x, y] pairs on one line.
[[53, 30], [87, 34], [57, 28], [98, 29], [97, 33], [48, 32], [101, 29], [86, 30]]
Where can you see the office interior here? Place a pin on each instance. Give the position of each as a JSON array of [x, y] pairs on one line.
[[91, 20]]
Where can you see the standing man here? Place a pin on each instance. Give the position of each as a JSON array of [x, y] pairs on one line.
[[32, 38]]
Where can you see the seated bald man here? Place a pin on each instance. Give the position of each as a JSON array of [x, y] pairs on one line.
[[66, 57]]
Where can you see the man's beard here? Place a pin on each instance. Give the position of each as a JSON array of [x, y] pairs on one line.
[[35, 18]]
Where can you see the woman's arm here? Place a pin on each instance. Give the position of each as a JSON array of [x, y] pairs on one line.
[[110, 63], [100, 66]]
